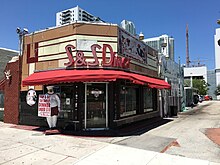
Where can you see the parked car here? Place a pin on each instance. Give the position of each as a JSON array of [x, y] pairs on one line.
[[206, 97], [200, 98], [195, 99]]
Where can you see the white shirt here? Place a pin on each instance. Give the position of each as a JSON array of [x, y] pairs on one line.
[[54, 101]]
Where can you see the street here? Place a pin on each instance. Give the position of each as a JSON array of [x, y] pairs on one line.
[[184, 140]]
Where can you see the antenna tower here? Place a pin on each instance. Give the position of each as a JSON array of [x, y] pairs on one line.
[[187, 46]]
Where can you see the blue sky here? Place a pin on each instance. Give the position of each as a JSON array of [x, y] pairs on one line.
[[152, 17]]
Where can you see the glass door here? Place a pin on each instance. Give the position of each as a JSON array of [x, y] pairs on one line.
[[96, 106]]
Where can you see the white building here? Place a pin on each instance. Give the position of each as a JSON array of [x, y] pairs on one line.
[[196, 72], [75, 14], [217, 56], [128, 26], [191, 73], [163, 44]]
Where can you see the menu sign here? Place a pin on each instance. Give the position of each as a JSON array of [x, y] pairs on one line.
[[44, 109]]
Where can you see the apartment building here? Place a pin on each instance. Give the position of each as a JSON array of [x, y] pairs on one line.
[[73, 15]]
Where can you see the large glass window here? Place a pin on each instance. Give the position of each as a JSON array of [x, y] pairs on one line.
[[148, 100], [128, 100]]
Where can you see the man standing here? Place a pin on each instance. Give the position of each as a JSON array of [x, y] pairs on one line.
[[55, 107]]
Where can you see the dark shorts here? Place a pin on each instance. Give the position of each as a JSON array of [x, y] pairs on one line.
[[54, 111]]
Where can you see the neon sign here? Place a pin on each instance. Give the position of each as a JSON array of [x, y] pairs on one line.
[[80, 60]]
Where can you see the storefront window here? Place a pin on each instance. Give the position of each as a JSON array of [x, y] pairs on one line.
[[67, 106], [128, 101], [148, 100]]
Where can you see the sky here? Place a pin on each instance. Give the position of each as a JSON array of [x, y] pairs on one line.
[[152, 17]]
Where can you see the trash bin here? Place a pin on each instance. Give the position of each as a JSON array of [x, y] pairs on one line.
[[173, 110]]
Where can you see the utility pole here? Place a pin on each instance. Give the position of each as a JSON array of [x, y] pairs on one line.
[[187, 46], [21, 34]]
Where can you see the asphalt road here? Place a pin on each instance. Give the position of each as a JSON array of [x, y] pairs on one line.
[[183, 136]]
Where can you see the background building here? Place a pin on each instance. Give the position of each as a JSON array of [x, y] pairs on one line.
[[190, 73], [128, 26], [211, 80], [75, 14], [170, 71], [217, 56], [5, 55], [164, 44], [196, 72]]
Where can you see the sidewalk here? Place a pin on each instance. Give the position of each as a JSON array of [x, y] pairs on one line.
[[20, 146]]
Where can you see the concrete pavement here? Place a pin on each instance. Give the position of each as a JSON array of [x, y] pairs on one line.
[[190, 132], [20, 146]]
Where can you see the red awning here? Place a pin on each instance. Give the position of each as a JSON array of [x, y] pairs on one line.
[[2, 84], [67, 76]]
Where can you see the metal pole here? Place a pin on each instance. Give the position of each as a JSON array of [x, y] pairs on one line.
[[191, 81], [179, 104], [20, 44]]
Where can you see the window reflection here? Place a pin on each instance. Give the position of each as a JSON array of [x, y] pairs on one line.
[[128, 100], [148, 99]]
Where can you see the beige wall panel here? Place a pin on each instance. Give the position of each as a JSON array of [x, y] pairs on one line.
[[24, 63], [53, 64], [97, 38], [31, 68], [113, 45], [31, 87], [38, 88], [90, 55], [64, 55], [49, 34], [32, 50], [39, 65], [24, 69], [47, 65], [73, 29], [53, 57], [22, 78], [74, 37], [58, 40], [54, 49], [61, 63], [24, 88], [97, 30]]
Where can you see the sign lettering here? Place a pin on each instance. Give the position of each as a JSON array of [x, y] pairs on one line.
[[80, 60], [44, 109]]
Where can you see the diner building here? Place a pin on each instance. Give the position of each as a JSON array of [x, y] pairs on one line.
[[104, 76]]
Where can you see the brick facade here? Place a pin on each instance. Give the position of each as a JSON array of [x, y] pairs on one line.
[[12, 93]]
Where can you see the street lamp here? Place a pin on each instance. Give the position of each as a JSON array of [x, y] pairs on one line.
[[21, 33]]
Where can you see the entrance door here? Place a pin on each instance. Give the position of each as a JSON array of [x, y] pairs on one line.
[[96, 106]]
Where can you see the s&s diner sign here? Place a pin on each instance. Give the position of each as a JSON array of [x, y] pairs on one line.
[[80, 60]]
